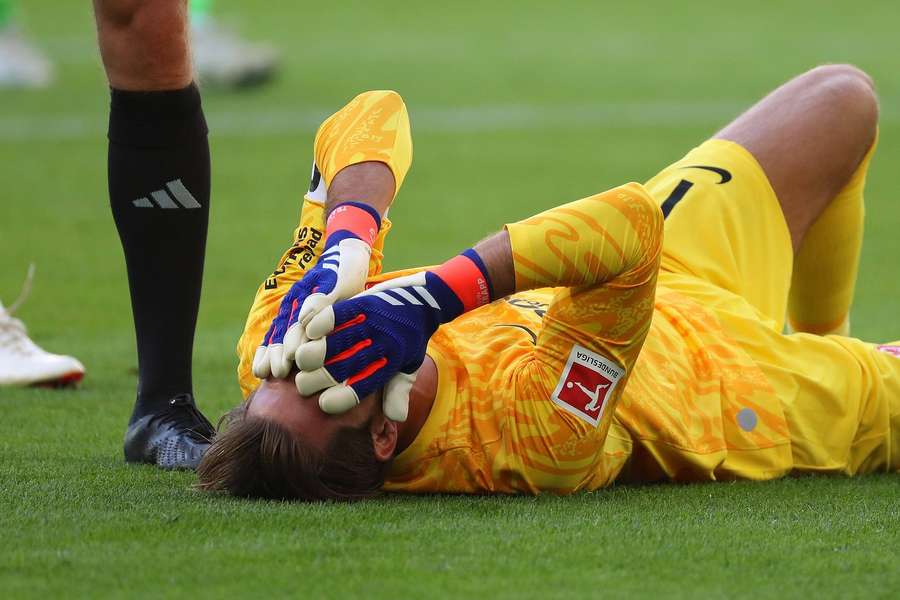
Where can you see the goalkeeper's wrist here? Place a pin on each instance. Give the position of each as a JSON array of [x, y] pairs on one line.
[[466, 276], [352, 219]]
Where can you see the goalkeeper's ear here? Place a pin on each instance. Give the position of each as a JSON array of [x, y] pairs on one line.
[[384, 437]]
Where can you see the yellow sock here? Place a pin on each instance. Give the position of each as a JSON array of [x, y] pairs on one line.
[[825, 269]]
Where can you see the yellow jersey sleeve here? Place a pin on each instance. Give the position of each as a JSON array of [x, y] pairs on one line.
[[528, 385], [374, 126], [590, 241], [308, 240]]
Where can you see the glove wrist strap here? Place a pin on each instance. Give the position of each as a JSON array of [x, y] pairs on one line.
[[352, 219], [467, 276]]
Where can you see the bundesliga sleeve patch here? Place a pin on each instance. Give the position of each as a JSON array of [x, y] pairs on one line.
[[586, 384]]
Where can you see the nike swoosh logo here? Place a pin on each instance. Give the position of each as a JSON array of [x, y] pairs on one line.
[[316, 176], [725, 175]]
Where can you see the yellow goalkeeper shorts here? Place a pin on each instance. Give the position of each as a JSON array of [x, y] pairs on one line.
[[727, 246]]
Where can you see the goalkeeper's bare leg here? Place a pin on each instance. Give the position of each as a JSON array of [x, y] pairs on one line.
[[813, 137], [159, 187]]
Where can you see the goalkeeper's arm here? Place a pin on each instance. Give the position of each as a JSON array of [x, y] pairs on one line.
[[379, 337], [362, 155]]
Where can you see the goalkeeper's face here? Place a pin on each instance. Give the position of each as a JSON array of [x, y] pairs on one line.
[[278, 400], [280, 444]]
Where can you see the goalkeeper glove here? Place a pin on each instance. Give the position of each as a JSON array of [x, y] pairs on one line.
[[340, 273], [379, 337]]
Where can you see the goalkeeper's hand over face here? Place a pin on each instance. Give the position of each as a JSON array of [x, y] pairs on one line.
[[340, 273], [378, 338]]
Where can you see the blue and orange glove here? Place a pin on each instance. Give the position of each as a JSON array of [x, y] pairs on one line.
[[378, 338], [340, 273]]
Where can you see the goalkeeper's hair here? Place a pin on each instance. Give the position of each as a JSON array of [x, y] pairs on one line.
[[253, 457]]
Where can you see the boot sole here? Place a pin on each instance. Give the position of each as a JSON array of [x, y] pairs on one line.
[[69, 380]]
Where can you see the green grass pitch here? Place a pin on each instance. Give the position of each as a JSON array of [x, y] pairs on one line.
[[515, 106]]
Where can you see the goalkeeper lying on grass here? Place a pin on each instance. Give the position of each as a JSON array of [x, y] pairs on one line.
[[581, 346]]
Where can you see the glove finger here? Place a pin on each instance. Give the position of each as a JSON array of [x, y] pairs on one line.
[[279, 363], [311, 355], [293, 339], [260, 367], [321, 324], [312, 305], [338, 399], [372, 377], [340, 344], [310, 382], [344, 315], [396, 396], [364, 382]]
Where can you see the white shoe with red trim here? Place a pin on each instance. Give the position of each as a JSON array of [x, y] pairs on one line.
[[22, 362]]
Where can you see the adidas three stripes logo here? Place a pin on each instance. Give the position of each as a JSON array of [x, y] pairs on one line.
[[412, 295], [167, 198]]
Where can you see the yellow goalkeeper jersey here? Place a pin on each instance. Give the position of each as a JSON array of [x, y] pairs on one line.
[[717, 392], [494, 428], [505, 418], [656, 361]]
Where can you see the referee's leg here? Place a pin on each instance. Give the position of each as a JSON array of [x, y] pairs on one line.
[[159, 189]]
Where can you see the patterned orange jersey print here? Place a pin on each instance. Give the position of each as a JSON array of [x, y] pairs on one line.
[[697, 407], [528, 385]]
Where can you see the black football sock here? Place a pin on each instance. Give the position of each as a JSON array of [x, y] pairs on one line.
[[159, 183]]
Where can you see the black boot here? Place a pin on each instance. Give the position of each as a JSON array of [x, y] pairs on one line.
[[176, 437]]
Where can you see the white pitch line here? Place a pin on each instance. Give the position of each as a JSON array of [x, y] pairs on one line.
[[463, 120], [472, 119]]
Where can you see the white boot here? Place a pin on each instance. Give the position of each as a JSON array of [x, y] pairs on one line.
[[22, 362]]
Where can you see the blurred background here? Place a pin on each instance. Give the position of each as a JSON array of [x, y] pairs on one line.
[[515, 106]]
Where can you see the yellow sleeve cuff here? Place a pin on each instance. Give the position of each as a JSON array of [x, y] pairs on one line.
[[374, 126]]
